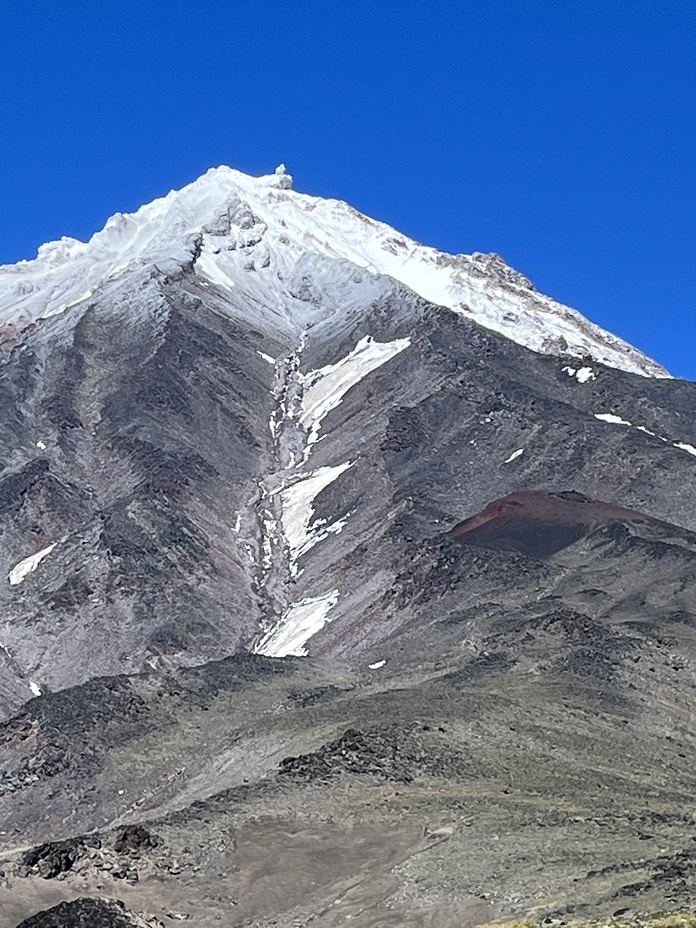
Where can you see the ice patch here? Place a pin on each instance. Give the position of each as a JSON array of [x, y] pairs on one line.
[[377, 665], [585, 374], [582, 375], [300, 622], [269, 535], [611, 418], [35, 688], [298, 511], [514, 455], [208, 265], [325, 388], [28, 565]]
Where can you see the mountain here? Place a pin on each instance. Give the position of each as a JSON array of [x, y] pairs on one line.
[[345, 579]]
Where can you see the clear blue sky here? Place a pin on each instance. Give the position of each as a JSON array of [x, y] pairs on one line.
[[560, 134]]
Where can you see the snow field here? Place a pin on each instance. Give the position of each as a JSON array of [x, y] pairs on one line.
[[325, 388], [297, 511], [300, 622], [293, 226]]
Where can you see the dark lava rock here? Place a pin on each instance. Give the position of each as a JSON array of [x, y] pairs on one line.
[[83, 913], [53, 858], [135, 838], [388, 753]]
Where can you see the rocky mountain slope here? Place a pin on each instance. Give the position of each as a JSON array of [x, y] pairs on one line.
[[345, 580]]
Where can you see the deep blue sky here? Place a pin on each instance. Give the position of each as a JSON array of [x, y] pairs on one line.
[[560, 134]]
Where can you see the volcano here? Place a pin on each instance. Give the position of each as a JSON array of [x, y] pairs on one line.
[[269, 654]]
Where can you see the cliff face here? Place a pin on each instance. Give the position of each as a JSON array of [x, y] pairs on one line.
[[360, 574]]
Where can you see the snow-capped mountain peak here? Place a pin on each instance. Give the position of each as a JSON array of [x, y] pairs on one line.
[[228, 223]]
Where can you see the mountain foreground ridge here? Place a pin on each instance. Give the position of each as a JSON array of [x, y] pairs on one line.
[[347, 580]]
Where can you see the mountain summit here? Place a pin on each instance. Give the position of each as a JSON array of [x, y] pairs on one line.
[[344, 579], [228, 223]]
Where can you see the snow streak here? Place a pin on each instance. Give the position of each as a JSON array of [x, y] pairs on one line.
[[28, 565]]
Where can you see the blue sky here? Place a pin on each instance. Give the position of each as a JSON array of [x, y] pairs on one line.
[[561, 135]]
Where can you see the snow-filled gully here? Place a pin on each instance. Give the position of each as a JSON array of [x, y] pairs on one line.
[[284, 509]]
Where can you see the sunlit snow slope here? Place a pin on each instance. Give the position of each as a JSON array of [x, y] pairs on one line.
[[294, 226]]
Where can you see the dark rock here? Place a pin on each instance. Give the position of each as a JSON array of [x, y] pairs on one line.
[[52, 859], [134, 839], [83, 913]]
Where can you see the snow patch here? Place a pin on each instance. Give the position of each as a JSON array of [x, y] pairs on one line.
[[611, 418], [269, 535], [299, 623], [617, 420], [514, 455], [83, 296], [28, 565], [35, 688], [325, 388], [266, 357], [297, 509], [212, 270], [582, 375], [585, 374], [377, 665]]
